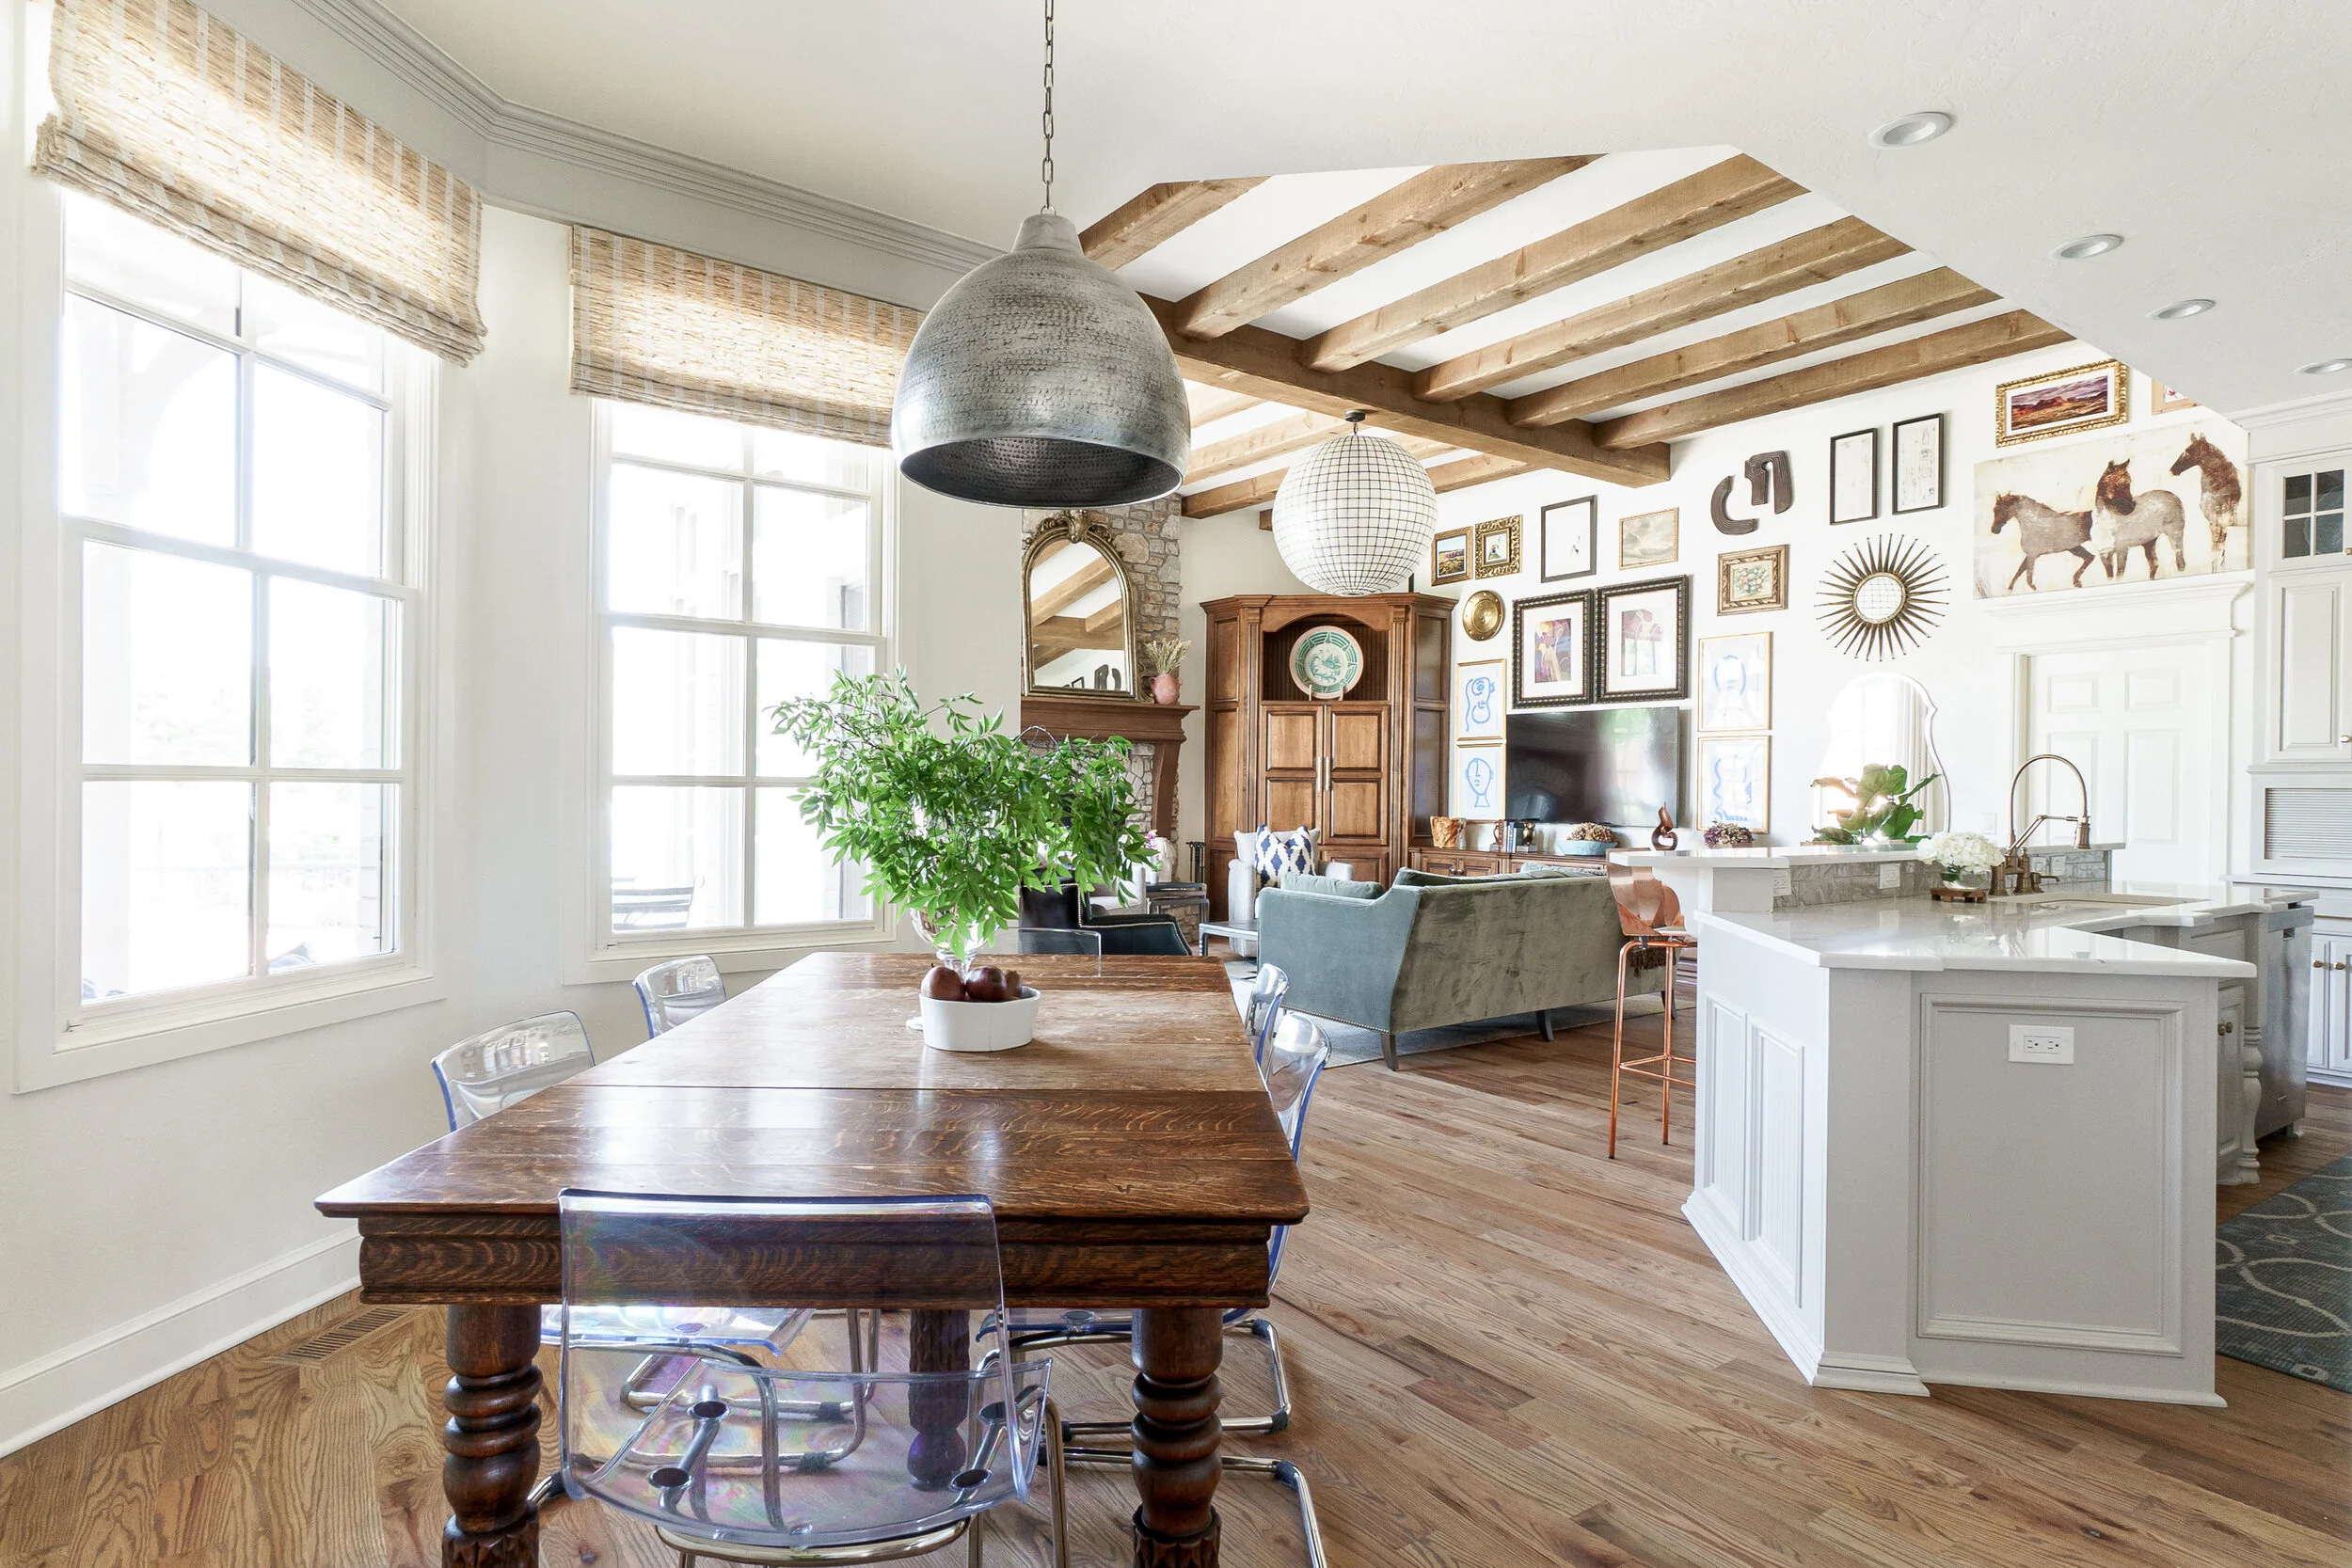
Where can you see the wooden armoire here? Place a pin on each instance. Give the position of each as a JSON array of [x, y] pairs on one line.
[[1367, 770]]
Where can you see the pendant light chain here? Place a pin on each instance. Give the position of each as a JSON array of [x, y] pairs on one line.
[[1046, 168]]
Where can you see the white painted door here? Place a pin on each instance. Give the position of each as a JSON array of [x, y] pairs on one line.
[[2331, 1005], [2147, 728], [2310, 705]]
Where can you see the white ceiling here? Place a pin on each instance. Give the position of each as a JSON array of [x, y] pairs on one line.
[[2211, 133]]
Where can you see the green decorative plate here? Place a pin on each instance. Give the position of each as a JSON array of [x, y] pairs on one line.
[[1327, 662]]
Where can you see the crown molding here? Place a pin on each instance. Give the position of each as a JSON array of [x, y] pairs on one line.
[[2293, 410], [423, 66]]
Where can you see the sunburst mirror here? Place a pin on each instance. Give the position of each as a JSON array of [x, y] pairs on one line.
[[1881, 597]]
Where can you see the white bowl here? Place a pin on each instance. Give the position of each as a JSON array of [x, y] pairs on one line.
[[980, 1025]]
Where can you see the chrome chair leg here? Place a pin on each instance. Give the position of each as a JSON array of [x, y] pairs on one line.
[[1253, 1327]]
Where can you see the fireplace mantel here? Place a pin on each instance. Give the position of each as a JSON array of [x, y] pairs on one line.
[[1094, 715]]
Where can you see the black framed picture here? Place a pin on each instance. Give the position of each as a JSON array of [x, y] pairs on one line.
[[1641, 636], [1551, 650], [1918, 464], [1854, 476], [1567, 539]]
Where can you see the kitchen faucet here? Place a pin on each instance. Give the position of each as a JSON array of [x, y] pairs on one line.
[[2015, 874]]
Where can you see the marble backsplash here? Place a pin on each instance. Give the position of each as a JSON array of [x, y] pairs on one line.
[[1835, 884]]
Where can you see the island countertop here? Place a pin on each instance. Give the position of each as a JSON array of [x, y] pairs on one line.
[[2055, 932], [1776, 857]]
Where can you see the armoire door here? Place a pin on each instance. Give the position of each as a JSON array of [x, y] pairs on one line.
[[1290, 743], [1356, 779]]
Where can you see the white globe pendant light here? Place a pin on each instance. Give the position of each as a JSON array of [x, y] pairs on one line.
[[1354, 515]]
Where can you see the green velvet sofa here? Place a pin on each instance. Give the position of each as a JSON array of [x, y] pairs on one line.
[[1433, 950]]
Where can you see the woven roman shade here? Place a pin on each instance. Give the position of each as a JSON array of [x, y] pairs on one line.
[[653, 325], [168, 114]]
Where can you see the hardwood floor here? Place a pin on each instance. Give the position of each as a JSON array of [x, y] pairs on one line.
[[1504, 1349]]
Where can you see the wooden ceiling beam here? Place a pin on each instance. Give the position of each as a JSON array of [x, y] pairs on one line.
[[1257, 489], [1429, 203], [1463, 472], [1713, 197], [1050, 602], [1063, 634], [1954, 348], [1159, 214], [1209, 405], [1903, 303], [1265, 365], [1277, 439], [1816, 256]]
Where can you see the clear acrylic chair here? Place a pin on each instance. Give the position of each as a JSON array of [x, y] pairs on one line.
[[513, 1062], [1295, 1054], [501, 1066], [802, 1462], [675, 991], [1266, 1005]]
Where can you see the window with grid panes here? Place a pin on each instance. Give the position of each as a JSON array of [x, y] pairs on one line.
[[2311, 519], [227, 453], [740, 566]]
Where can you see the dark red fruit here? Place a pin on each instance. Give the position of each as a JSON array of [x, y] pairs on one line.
[[1012, 985], [942, 984], [984, 983]]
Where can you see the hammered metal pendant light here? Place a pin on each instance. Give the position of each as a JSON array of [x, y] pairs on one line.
[[1356, 514], [1040, 379]]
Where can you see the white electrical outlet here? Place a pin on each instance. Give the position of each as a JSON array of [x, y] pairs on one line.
[[1783, 884], [2051, 1044], [1891, 874]]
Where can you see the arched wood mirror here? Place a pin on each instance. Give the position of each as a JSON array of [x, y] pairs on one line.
[[1080, 611]]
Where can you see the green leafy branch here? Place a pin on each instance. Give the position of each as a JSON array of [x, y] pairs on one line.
[[1883, 797], [949, 816]]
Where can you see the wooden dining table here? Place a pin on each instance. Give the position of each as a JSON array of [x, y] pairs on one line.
[[1130, 1152]]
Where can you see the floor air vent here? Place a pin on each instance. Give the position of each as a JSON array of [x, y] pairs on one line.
[[2307, 824], [339, 1336]]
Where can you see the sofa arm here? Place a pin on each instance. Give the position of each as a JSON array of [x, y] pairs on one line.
[[1343, 955]]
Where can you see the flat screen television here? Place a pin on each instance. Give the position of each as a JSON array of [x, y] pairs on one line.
[[1615, 765]]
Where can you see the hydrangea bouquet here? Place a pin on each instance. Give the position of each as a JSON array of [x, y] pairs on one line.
[[1956, 854]]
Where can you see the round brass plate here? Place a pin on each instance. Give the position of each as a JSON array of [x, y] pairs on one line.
[[1482, 614]]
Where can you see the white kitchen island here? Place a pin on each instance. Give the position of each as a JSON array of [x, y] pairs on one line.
[[1963, 1144]]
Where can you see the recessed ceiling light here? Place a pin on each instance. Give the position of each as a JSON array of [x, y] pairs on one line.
[[1911, 130], [2180, 307], [2326, 367], [2088, 245]]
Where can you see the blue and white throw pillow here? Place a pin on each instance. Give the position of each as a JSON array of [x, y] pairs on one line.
[[1281, 852]]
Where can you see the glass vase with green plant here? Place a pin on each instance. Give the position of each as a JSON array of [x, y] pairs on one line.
[[1883, 808], [951, 816]]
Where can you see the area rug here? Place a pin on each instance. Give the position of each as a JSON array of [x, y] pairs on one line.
[[1350, 1044], [2282, 1294]]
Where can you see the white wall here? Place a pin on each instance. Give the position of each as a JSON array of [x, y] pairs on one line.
[[156, 1215], [1967, 680]]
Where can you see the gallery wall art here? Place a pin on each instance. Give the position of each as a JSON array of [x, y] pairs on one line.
[[2127, 507], [1854, 476], [1735, 782], [1567, 540], [1736, 682], [1478, 783], [2061, 402], [1478, 700], [1551, 650], [1643, 631], [1450, 556], [1649, 539], [1498, 548], [1918, 482]]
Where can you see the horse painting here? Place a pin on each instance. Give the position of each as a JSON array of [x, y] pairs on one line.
[[2121, 522], [2221, 493], [2043, 531]]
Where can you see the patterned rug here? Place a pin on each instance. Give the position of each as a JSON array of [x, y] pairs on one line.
[[2283, 1296]]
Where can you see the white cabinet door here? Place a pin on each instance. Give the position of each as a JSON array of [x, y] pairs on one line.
[[2140, 723], [2310, 666], [2332, 1004]]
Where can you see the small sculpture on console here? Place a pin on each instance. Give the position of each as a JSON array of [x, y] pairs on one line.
[[1662, 836]]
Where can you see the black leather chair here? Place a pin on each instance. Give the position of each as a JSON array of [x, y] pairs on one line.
[[1065, 909]]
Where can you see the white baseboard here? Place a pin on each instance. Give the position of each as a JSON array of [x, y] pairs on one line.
[[53, 1391]]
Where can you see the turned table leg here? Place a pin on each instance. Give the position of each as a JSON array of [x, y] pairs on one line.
[[938, 1341], [492, 1438], [1176, 1354]]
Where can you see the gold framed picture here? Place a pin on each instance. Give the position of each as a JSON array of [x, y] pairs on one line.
[[1750, 580], [2061, 402], [1498, 547], [1450, 556], [2162, 398], [1649, 539]]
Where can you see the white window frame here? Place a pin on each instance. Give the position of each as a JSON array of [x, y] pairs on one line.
[[57, 1037], [602, 954]]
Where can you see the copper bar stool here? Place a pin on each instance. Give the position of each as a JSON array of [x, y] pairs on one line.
[[1649, 914]]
